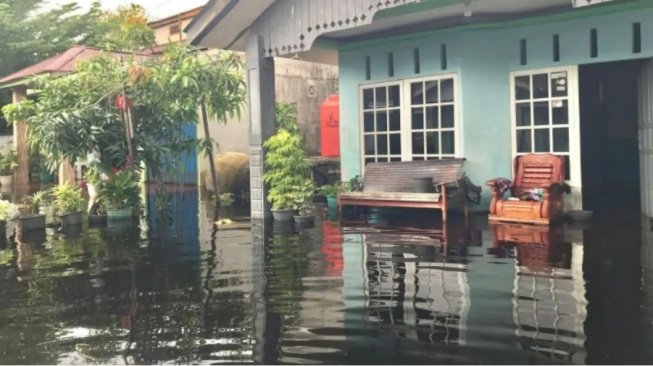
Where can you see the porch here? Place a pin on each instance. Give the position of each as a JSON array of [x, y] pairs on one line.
[[482, 80]]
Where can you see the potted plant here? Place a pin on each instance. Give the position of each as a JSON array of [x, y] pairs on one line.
[[303, 197], [286, 163], [330, 191], [33, 219], [8, 164], [68, 204], [119, 195]]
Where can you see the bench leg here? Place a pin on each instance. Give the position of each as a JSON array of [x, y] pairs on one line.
[[444, 215], [466, 214]]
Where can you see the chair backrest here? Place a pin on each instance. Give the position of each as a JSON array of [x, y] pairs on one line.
[[398, 176], [536, 171]]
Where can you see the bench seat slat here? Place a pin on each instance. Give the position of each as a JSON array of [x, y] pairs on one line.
[[391, 196]]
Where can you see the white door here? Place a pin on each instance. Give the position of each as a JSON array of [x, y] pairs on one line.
[[646, 138], [545, 119]]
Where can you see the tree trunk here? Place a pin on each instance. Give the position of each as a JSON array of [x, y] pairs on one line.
[[214, 174]]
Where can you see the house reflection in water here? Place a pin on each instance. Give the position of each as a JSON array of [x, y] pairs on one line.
[[416, 287], [549, 304]]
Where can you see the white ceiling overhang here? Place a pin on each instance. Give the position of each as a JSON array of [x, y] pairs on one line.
[[221, 23]]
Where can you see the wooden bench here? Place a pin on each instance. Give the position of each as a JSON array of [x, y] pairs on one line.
[[391, 185]]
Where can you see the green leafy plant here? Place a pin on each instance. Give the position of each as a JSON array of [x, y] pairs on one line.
[[287, 169], [8, 211], [355, 184], [68, 199], [120, 191], [8, 163], [35, 200], [93, 176], [227, 199], [303, 197], [330, 190]]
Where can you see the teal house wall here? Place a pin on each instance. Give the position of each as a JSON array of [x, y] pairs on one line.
[[483, 58]]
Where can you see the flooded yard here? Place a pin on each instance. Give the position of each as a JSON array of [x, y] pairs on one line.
[[378, 291]]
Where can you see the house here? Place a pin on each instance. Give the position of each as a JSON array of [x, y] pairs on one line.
[[486, 80]]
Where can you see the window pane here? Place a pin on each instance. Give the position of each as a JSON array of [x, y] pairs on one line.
[[382, 159], [522, 87], [393, 94], [395, 144], [448, 143], [432, 143], [431, 91], [542, 140], [541, 113], [418, 143], [395, 159], [540, 86], [432, 117], [368, 125], [381, 121], [369, 145], [567, 168], [418, 157], [369, 160], [524, 141], [560, 140], [418, 118], [382, 144], [559, 84], [381, 97], [523, 112], [395, 120], [446, 90], [560, 111], [368, 98], [447, 120], [417, 93]]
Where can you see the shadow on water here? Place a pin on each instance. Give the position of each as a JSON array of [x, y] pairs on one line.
[[388, 287]]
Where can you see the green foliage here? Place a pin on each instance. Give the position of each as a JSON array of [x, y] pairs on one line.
[[6, 256], [17, 112], [227, 199], [8, 211], [121, 190], [93, 175], [35, 200], [68, 199], [330, 190], [77, 113], [287, 169], [303, 197], [8, 163], [286, 115]]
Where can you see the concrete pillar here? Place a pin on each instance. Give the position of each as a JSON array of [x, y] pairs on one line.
[[262, 110], [21, 176]]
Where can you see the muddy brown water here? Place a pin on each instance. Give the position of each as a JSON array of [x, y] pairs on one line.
[[376, 290]]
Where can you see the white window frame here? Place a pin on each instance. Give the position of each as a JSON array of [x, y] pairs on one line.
[[406, 116], [574, 117]]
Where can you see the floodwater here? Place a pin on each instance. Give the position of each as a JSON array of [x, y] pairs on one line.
[[381, 291]]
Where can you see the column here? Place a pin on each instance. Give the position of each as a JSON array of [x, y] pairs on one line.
[[262, 109], [66, 173], [21, 177]]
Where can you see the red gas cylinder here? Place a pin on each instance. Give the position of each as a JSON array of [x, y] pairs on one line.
[[330, 127]]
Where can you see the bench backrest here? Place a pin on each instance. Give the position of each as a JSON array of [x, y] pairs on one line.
[[536, 171], [398, 176]]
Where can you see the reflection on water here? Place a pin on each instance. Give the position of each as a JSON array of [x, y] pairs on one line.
[[371, 291]]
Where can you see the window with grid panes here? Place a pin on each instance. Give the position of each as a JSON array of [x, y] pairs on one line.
[[542, 122], [408, 120]]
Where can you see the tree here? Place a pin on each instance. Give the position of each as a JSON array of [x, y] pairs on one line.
[[30, 34], [77, 113]]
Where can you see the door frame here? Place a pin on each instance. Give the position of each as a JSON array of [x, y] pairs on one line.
[[575, 170]]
